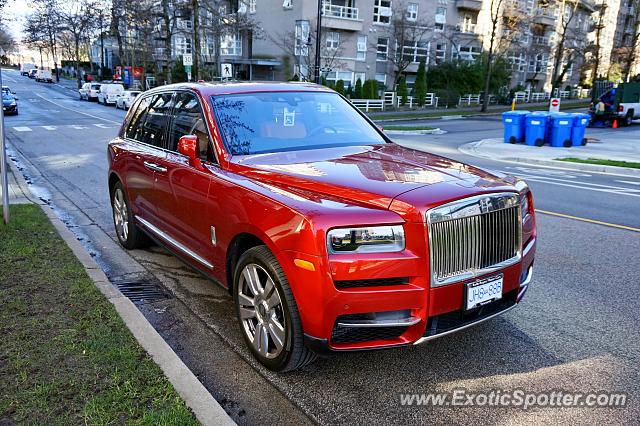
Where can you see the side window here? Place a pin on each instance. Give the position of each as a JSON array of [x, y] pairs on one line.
[[189, 120], [134, 127], [156, 119]]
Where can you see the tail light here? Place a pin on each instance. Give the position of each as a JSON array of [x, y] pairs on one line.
[[621, 108]]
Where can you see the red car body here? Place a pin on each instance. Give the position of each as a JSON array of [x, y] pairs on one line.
[[288, 201]]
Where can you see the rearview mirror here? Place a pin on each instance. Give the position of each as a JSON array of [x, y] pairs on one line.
[[188, 146]]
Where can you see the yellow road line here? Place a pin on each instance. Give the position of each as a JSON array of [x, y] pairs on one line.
[[582, 219]]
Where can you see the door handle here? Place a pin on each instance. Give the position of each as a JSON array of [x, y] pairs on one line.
[[154, 167]]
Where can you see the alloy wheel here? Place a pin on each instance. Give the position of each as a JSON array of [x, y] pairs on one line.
[[120, 214], [261, 311]]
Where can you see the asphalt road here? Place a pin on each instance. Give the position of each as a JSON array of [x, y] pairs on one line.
[[577, 329]]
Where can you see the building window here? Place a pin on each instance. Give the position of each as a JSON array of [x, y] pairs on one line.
[[517, 61], [183, 45], [468, 23], [361, 53], [334, 76], [231, 45], [467, 53], [382, 49], [209, 47], [301, 46], [382, 79], [415, 51], [359, 76], [333, 40], [252, 6], [382, 11], [441, 18], [538, 63], [287, 4], [412, 11], [222, 10], [441, 53]]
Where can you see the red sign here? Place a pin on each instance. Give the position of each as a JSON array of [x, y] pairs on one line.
[[555, 103]]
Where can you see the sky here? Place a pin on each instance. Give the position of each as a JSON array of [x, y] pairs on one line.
[[14, 13]]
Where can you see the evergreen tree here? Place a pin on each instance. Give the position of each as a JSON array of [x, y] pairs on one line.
[[357, 92], [402, 91], [340, 87], [178, 73], [420, 86]]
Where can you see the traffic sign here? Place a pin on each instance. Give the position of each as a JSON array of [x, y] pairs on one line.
[[187, 59], [554, 105], [226, 70]]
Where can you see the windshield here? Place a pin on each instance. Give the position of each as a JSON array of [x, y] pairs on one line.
[[6, 96], [257, 123]]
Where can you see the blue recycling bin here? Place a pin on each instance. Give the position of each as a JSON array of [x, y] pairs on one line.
[[536, 128], [560, 125], [514, 125], [580, 124]]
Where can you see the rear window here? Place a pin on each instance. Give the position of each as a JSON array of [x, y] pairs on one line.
[[256, 123], [95, 86]]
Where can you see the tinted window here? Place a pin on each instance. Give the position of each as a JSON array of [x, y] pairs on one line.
[[150, 120], [188, 120], [288, 121]]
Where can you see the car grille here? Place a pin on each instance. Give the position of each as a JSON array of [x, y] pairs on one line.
[[358, 335], [474, 236], [378, 282]]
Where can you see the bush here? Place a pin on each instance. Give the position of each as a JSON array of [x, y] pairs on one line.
[[447, 97], [357, 92], [340, 87], [178, 74], [420, 86], [370, 89], [402, 91]]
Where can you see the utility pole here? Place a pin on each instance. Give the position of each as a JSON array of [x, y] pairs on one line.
[[4, 174], [318, 36]]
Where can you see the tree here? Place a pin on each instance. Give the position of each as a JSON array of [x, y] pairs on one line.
[[402, 90], [571, 40], [7, 43], [77, 24], [357, 92], [420, 86], [340, 87], [633, 45], [495, 12], [370, 89], [599, 26], [178, 73]]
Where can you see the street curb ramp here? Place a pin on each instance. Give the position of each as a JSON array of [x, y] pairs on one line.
[[206, 409]]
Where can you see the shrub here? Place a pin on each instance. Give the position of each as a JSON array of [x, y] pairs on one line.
[[357, 92], [402, 91], [340, 87], [420, 86]]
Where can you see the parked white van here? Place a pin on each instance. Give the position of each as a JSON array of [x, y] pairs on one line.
[[89, 91], [109, 92], [44, 75]]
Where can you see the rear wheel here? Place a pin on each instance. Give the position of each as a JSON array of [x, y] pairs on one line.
[[267, 312], [129, 235], [628, 119]]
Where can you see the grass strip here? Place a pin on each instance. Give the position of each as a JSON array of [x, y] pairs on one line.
[[66, 356], [408, 128], [617, 163]]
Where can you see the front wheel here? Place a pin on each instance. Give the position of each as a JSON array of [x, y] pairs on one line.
[[628, 119], [267, 312]]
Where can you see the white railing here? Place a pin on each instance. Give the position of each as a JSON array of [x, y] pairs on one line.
[[342, 12], [564, 94], [469, 99], [539, 96], [430, 100], [368, 104], [390, 98], [521, 96]]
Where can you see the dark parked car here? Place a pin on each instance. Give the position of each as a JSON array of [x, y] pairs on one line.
[[9, 103], [329, 236]]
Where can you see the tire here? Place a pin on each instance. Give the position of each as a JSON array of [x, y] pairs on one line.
[[129, 235], [628, 119], [269, 310]]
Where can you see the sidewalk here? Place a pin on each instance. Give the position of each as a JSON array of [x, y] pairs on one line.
[[604, 144]]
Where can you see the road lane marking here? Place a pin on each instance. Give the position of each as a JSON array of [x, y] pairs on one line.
[[582, 219], [629, 182], [78, 127], [79, 112], [49, 127], [102, 126], [22, 129]]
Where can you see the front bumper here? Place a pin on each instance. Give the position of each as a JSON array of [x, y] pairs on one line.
[[423, 313], [10, 109]]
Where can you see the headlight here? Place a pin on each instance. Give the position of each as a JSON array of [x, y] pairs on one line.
[[369, 239], [525, 208]]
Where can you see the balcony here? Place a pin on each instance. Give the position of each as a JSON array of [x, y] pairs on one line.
[[341, 17], [542, 17], [474, 5]]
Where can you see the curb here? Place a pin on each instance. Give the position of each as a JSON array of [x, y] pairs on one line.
[[471, 149], [435, 131], [206, 409]]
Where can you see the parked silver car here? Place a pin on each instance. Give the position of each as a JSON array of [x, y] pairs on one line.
[[126, 98]]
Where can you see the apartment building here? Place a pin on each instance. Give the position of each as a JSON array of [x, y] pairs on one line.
[[361, 39]]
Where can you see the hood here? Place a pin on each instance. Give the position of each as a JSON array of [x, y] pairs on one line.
[[371, 175], [6, 101]]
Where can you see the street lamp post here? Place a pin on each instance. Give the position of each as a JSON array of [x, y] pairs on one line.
[[318, 36]]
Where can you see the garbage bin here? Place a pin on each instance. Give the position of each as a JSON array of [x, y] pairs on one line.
[[560, 125], [580, 124], [514, 122], [536, 128]]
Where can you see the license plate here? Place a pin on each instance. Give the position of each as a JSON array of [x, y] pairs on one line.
[[483, 291]]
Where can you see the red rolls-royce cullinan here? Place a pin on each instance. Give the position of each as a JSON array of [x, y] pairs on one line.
[[329, 236]]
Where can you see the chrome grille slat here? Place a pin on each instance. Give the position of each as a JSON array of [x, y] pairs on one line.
[[474, 236]]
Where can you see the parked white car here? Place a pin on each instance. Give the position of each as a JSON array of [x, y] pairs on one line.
[[109, 93], [89, 91], [25, 68], [125, 99], [43, 75]]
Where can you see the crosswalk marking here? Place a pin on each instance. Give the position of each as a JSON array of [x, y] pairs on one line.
[[49, 127], [64, 126], [22, 129], [78, 127]]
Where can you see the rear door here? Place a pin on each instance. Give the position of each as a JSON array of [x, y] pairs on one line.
[[147, 136], [182, 191]]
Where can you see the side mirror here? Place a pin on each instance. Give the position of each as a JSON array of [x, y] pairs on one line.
[[188, 146]]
